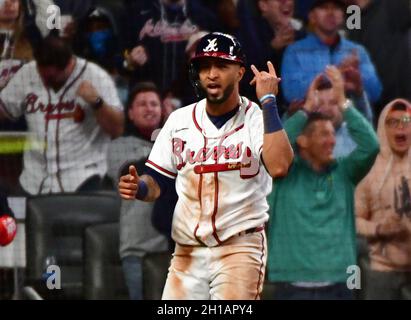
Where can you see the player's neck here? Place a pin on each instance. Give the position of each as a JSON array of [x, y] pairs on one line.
[[220, 109]]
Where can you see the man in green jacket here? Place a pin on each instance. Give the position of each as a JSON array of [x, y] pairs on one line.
[[312, 227]]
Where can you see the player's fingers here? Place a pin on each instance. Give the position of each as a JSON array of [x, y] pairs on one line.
[[127, 185], [126, 197], [127, 192], [271, 69], [252, 82], [128, 178], [255, 70]]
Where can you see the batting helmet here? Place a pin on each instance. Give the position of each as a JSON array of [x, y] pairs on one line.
[[219, 45], [215, 45]]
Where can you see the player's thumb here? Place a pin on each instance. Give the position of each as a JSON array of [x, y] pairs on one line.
[[133, 172]]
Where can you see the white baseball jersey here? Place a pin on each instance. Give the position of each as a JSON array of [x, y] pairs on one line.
[[66, 145], [221, 183], [8, 68]]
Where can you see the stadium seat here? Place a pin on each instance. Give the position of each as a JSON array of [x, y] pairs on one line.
[[55, 226], [155, 269], [103, 275], [406, 292], [268, 291]]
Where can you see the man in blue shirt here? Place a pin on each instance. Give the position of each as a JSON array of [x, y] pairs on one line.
[[307, 58]]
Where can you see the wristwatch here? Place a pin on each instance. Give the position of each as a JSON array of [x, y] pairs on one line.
[[98, 103]]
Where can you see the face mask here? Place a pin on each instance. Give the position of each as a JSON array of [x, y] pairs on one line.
[[99, 41]]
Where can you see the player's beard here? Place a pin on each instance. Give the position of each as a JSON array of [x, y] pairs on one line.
[[220, 100]]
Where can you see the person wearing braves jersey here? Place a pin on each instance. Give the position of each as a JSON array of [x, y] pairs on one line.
[[222, 153], [8, 227], [72, 109]]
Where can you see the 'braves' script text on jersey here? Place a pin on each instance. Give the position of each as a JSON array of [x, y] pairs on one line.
[[221, 183]]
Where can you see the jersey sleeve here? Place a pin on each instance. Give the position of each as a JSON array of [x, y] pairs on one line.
[[161, 158], [106, 87], [13, 95]]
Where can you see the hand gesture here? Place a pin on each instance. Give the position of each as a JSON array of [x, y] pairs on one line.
[[87, 92], [311, 102], [353, 80], [350, 68], [265, 82], [352, 60], [337, 81], [128, 185], [283, 37]]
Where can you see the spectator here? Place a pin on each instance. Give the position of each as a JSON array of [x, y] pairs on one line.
[[271, 31], [384, 32], [159, 31], [311, 238], [181, 92], [15, 48], [307, 58], [322, 97], [137, 234], [383, 206], [72, 13], [101, 46], [72, 109]]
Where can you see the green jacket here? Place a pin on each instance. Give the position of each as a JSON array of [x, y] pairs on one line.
[[311, 234]]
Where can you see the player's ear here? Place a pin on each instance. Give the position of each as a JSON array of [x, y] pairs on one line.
[[241, 73]]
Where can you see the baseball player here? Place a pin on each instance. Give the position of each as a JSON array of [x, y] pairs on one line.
[[72, 109], [221, 152]]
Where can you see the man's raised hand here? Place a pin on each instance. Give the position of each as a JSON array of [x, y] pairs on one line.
[[265, 82]]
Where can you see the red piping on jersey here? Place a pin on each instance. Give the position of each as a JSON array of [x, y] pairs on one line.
[[195, 120], [260, 274], [58, 150], [161, 169], [248, 106], [199, 191], [213, 217], [46, 130]]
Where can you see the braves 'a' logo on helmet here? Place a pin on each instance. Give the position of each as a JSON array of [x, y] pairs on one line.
[[212, 45]]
